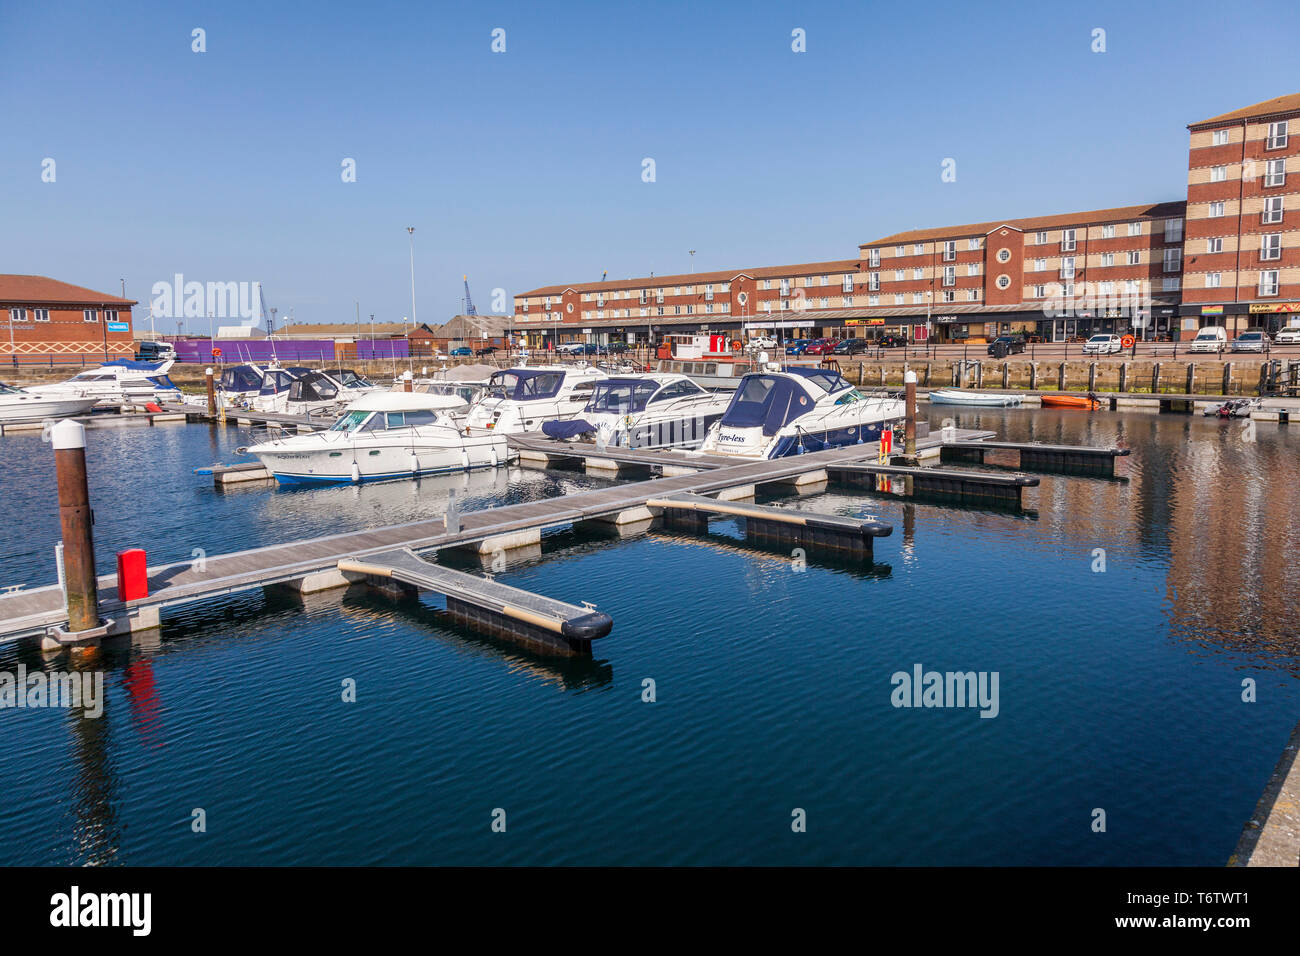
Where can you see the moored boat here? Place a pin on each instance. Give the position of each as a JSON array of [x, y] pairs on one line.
[[24, 404], [382, 436], [644, 411], [1071, 401], [959, 396], [521, 399]]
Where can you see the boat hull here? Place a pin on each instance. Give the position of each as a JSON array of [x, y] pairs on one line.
[[1070, 401], [38, 408], [332, 465], [955, 397]]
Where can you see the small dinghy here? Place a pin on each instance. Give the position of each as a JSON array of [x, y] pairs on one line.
[[1071, 401], [957, 396]]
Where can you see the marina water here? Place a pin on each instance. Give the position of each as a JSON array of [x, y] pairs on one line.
[[1120, 617]]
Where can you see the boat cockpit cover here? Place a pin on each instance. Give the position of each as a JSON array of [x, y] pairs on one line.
[[621, 395], [241, 378], [351, 379], [163, 381], [138, 366], [275, 380], [523, 385], [767, 400], [828, 380], [313, 387]]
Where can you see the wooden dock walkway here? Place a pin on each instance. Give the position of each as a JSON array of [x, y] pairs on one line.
[[29, 613]]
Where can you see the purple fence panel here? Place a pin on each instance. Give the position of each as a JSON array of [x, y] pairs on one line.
[[234, 351], [381, 348]]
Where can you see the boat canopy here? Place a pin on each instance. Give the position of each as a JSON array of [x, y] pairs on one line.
[[275, 380], [769, 400], [622, 395], [404, 402], [828, 380], [155, 367], [351, 379], [240, 378], [527, 384], [313, 387]]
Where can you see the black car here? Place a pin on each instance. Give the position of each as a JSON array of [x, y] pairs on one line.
[[893, 342], [486, 350], [1005, 345], [851, 347], [617, 348]]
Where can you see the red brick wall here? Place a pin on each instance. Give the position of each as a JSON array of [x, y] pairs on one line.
[[67, 336]]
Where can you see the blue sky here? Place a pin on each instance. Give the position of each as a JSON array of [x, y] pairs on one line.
[[524, 168]]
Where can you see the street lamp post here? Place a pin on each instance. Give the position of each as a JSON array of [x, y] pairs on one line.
[[410, 231]]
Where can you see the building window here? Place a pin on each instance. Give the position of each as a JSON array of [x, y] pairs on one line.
[[1067, 267], [1106, 288], [917, 248], [1003, 281], [1213, 280], [1040, 265], [949, 275], [898, 275], [917, 298], [785, 286], [89, 315], [1173, 230], [767, 283], [17, 315], [973, 244], [918, 274], [973, 295], [848, 283], [1173, 260], [1067, 240], [1135, 228], [1216, 210], [40, 315], [1275, 172], [898, 299], [1218, 174], [1268, 282], [1040, 292], [1133, 258], [1108, 232], [823, 303], [1041, 238], [900, 250], [973, 269], [1270, 246], [873, 282], [1220, 137], [873, 300], [1131, 287], [1004, 255], [846, 302], [873, 258], [1276, 135], [1171, 284], [1108, 258], [949, 251], [1214, 245], [1272, 210]]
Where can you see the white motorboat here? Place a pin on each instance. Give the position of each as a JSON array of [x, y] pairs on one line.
[[468, 383], [23, 404], [122, 382], [661, 410], [382, 436], [521, 399], [958, 396], [780, 412]]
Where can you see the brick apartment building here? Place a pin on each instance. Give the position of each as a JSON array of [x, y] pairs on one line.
[[1162, 269], [1242, 263], [48, 319]]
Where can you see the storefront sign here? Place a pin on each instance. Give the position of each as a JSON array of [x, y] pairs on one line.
[[119, 326], [1258, 307]]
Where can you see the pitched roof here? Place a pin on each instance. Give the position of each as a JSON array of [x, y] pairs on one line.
[[695, 278], [1278, 104], [326, 329], [1149, 211], [39, 289]]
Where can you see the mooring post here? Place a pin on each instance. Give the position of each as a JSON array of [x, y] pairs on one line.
[[408, 383], [75, 517], [212, 394], [909, 426]]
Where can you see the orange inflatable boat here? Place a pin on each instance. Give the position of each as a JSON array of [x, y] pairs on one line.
[[1071, 401]]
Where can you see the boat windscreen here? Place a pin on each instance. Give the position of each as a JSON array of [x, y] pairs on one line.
[[767, 400], [351, 379], [313, 387], [621, 395], [827, 380], [275, 381], [241, 378], [350, 422], [523, 385], [163, 381], [9, 390]]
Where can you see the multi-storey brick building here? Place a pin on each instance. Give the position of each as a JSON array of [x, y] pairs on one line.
[[1242, 260], [49, 319], [1230, 253]]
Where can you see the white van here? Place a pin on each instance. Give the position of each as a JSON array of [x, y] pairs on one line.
[[1212, 338]]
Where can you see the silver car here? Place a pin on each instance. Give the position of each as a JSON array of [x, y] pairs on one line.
[[1252, 340]]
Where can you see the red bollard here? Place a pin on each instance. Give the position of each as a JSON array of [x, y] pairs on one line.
[[132, 575]]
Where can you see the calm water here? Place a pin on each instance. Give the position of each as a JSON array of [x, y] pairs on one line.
[[1118, 690]]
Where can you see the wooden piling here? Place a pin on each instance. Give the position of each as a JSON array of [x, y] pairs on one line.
[[212, 394], [76, 520]]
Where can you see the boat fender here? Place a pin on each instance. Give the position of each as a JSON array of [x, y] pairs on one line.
[[464, 459], [415, 464], [356, 472], [494, 456], [587, 627]]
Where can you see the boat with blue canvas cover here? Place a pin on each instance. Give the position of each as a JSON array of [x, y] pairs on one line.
[[661, 410], [383, 436], [789, 411], [960, 396], [121, 382]]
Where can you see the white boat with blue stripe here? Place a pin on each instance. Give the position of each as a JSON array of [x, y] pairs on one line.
[[792, 410], [381, 437]]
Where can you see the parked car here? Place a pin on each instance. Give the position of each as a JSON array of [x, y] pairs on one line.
[[1287, 336], [486, 350], [1212, 338], [1252, 340], [852, 347], [893, 342], [820, 347], [155, 352], [618, 348], [796, 346], [760, 343], [1103, 343], [1007, 345], [463, 350]]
